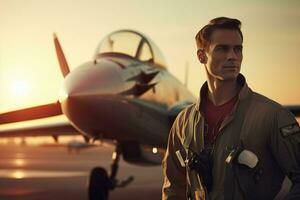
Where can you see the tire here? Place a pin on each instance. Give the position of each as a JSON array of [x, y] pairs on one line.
[[98, 188]]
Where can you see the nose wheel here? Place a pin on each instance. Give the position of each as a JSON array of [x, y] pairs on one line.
[[100, 183]]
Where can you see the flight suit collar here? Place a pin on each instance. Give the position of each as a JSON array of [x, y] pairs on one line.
[[244, 92]]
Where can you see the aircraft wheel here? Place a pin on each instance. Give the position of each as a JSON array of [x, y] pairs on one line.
[[98, 188]]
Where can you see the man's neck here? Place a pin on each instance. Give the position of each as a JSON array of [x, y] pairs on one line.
[[220, 92]]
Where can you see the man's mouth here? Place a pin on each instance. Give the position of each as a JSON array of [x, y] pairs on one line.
[[230, 66]]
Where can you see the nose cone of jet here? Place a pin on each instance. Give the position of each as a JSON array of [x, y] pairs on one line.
[[93, 79], [87, 93]]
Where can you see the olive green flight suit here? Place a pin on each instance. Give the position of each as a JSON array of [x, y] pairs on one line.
[[267, 129]]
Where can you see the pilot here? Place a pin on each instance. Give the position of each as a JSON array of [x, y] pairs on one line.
[[233, 143]]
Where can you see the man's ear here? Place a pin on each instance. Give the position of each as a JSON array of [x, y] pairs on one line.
[[202, 56]]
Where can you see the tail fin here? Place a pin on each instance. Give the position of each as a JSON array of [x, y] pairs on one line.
[[64, 67]]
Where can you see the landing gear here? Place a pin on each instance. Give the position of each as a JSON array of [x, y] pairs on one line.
[[100, 183]]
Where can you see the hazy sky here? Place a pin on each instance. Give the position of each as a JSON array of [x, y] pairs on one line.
[[27, 57]]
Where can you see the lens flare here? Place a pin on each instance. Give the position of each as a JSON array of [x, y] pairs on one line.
[[18, 174]]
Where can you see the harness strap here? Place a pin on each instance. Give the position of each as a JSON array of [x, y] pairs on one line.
[[193, 178]]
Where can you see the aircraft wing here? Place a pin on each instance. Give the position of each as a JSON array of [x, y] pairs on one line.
[[45, 120], [295, 109], [32, 113]]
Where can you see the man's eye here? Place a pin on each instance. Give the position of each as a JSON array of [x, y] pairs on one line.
[[221, 48], [238, 49]]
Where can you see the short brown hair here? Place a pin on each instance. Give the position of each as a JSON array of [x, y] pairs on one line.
[[203, 36]]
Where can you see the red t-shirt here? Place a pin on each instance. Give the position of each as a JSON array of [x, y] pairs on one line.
[[214, 116]]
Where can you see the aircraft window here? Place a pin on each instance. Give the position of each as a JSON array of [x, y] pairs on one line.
[[132, 44], [144, 53], [121, 43]]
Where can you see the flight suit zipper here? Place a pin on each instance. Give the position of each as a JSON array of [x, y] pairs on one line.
[[228, 119]]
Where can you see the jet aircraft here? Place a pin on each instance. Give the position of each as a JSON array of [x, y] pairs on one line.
[[124, 96]]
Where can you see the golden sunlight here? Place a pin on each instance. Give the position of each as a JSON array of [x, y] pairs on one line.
[[19, 88], [19, 162]]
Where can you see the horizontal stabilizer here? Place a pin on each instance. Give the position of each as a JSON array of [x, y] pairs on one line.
[[47, 129], [32, 113]]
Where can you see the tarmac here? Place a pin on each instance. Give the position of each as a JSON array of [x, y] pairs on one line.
[[50, 172]]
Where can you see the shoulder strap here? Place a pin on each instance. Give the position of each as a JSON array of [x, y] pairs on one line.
[[193, 179]]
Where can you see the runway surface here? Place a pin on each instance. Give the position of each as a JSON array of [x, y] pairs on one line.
[[50, 172], [38, 172]]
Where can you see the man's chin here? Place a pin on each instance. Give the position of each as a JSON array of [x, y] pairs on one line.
[[230, 76]]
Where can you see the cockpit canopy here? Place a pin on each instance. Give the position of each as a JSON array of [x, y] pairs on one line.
[[133, 44]]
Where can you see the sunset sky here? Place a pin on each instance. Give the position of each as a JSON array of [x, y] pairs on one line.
[[29, 71]]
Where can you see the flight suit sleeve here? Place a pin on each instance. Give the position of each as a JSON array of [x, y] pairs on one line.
[[285, 145], [174, 183]]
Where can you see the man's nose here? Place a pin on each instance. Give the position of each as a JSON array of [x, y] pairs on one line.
[[232, 55]]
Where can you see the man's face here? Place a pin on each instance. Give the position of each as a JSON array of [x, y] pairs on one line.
[[224, 55]]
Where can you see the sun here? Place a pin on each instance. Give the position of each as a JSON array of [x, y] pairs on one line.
[[19, 88]]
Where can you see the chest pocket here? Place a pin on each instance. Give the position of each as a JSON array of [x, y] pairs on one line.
[[247, 183]]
